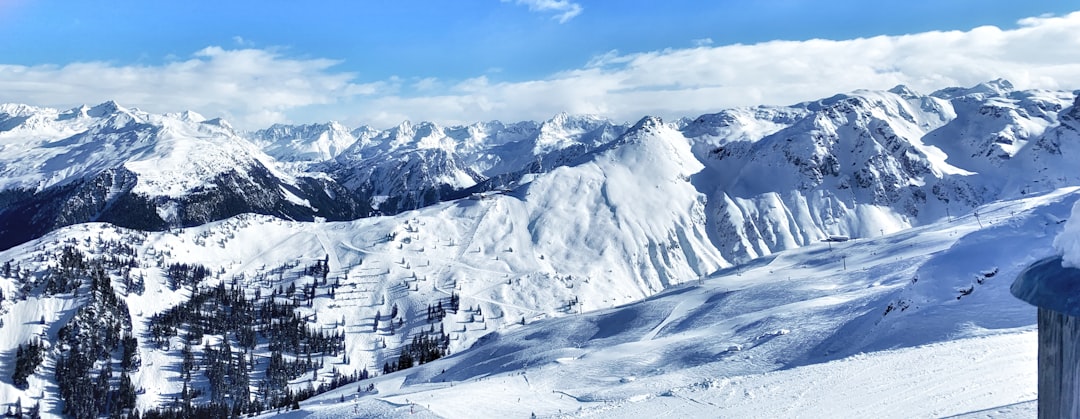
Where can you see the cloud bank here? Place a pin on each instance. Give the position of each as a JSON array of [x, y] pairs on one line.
[[255, 87], [250, 87]]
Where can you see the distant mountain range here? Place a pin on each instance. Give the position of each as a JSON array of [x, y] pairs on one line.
[[855, 164]]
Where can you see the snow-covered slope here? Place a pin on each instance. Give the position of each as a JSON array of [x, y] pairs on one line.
[[991, 126], [867, 163], [511, 257], [1048, 161], [914, 324], [799, 309]]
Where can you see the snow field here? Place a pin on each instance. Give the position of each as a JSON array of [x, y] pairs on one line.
[[793, 335]]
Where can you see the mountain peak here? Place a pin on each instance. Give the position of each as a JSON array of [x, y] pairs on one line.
[[76, 112], [562, 119], [104, 109], [904, 92], [1000, 85], [996, 87], [648, 123], [336, 126], [189, 116], [218, 122]]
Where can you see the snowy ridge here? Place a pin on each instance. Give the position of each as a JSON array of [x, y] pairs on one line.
[[414, 165], [867, 163], [633, 208], [84, 162], [1045, 162]]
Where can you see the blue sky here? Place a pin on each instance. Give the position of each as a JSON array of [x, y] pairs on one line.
[[378, 62]]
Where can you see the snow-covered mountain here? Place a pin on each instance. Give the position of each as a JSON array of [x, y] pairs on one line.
[[141, 170], [304, 143], [415, 165], [510, 257], [867, 163], [856, 164], [696, 246]]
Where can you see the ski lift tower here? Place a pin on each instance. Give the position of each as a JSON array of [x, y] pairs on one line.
[[1055, 290]]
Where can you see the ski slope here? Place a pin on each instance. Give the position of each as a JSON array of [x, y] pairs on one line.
[[985, 376], [795, 335]]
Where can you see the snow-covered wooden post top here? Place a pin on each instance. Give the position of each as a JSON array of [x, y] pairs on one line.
[[1053, 285], [1055, 289]]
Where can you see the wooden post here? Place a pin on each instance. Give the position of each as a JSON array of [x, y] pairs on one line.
[[1059, 365], [1055, 289]]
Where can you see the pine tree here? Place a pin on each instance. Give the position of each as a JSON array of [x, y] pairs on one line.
[[129, 360], [27, 360], [101, 389], [405, 360], [125, 394]]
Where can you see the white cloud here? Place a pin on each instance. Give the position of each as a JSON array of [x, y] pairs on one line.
[[564, 10], [240, 41], [426, 84], [1042, 52], [254, 87], [249, 86]]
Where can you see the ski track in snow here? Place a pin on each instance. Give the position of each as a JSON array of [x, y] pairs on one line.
[[953, 378], [986, 376], [328, 247]]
